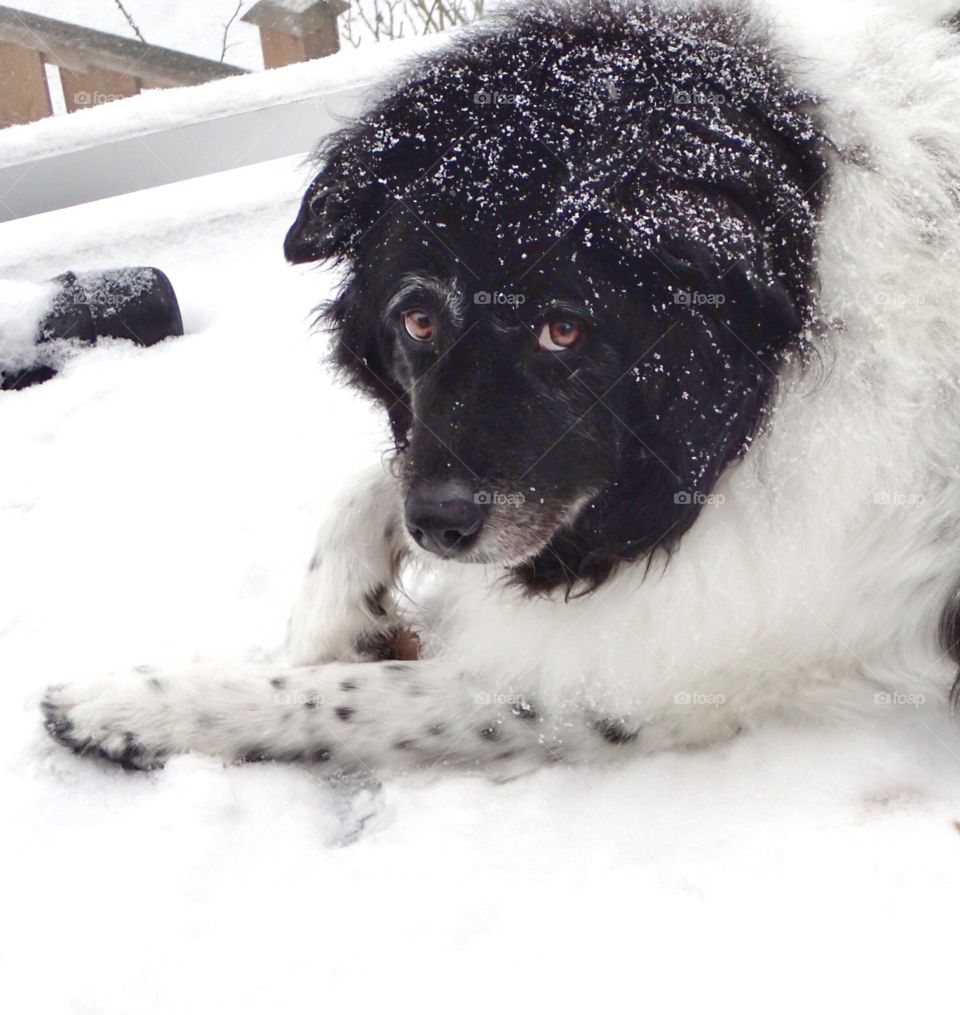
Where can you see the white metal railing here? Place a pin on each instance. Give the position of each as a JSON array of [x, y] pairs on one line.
[[180, 133]]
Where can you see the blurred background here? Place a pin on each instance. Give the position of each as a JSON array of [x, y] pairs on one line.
[[58, 56], [100, 98]]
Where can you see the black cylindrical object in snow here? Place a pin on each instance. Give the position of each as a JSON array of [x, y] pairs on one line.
[[138, 304]]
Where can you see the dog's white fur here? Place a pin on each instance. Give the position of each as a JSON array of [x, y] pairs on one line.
[[815, 583]]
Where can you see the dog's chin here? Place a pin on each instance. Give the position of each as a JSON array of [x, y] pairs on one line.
[[494, 549]]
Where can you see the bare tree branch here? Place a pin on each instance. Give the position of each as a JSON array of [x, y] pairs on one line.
[[226, 30], [130, 21], [348, 27], [388, 19]]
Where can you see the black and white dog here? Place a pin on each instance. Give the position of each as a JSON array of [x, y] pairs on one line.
[[662, 302]]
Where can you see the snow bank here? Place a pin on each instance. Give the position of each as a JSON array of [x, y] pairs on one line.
[[22, 304]]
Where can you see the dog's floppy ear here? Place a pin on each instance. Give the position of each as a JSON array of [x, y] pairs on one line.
[[325, 225], [308, 239], [338, 207]]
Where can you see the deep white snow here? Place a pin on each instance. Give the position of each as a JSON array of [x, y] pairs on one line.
[[157, 506]]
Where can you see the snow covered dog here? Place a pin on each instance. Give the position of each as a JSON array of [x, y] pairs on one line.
[[663, 306]]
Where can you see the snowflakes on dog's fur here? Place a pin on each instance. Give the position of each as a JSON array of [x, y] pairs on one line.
[[654, 166], [657, 107]]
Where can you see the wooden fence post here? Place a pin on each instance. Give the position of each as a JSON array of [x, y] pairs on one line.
[[95, 67], [291, 32], [83, 89], [24, 95]]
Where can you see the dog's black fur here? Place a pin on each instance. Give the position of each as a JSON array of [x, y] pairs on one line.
[[648, 175]]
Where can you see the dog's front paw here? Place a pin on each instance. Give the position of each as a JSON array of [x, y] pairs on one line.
[[341, 620], [98, 725]]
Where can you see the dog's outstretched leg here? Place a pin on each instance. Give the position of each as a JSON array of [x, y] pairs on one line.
[[346, 610], [347, 717]]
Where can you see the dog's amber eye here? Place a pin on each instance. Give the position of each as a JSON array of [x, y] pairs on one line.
[[419, 325], [559, 335]]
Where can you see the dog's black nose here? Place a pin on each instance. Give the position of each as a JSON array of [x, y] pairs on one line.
[[445, 519]]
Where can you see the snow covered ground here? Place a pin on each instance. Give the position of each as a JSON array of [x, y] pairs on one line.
[[158, 506]]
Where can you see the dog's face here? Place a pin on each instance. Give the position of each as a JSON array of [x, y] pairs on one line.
[[573, 314], [509, 435]]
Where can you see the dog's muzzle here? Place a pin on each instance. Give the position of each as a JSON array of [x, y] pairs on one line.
[[445, 518]]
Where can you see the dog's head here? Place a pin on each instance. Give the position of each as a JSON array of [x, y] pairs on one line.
[[577, 249]]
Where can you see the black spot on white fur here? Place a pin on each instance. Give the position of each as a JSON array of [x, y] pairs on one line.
[[373, 600], [132, 756], [253, 755], [522, 709], [615, 731], [950, 643], [375, 646]]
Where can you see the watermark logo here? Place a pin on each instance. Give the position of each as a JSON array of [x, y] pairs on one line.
[[689, 298], [306, 699], [699, 700], [504, 700], [690, 497], [897, 299], [86, 99], [695, 97], [485, 98], [485, 299], [889, 698], [899, 499], [102, 298], [499, 499]]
